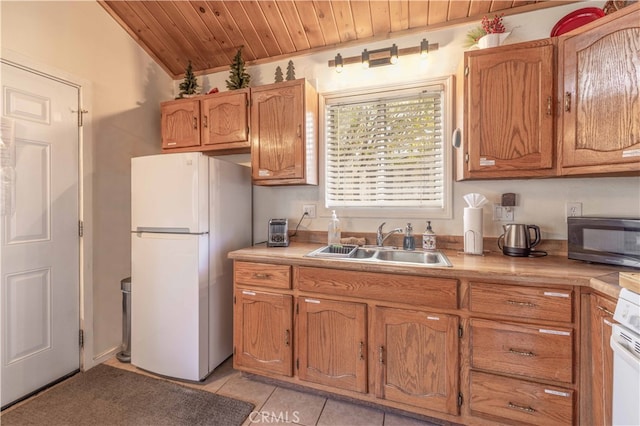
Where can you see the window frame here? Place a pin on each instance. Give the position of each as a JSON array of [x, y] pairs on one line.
[[448, 119]]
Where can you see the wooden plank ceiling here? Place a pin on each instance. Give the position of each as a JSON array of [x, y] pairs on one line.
[[209, 32]]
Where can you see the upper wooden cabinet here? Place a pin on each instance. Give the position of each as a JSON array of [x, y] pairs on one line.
[[216, 122], [508, 112], [600, 77], [284, 134]]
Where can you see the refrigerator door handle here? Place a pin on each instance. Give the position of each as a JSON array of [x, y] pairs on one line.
[[154, 230]]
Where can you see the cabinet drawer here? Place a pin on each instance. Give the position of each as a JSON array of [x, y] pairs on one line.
[[520, 401], [436, 292], [542, 352], [262, 274], [551, 304]]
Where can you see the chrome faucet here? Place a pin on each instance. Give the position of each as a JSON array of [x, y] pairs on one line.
[[380, 237]]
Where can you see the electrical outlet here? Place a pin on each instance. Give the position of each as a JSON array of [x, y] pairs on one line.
[[574, 209], [310, 209], [502, 213]]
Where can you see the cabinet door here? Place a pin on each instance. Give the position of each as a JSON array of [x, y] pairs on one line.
[[283, 134], [262, 328], [601, 102], [180, 123], [416, 354], [509, 112], [332, 346], [601, 318], [225, 119]]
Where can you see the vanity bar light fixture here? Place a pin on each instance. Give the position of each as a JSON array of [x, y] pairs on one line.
[[386, 56]]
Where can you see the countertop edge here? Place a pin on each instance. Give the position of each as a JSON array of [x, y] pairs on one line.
[[493, 266]]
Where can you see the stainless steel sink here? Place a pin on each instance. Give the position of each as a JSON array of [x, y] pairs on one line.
[[385, 255]]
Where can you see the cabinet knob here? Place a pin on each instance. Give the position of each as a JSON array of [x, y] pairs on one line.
[[567, 101]]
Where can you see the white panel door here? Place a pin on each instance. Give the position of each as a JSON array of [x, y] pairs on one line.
[[39, 232]]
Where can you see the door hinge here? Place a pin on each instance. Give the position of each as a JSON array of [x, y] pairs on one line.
[[81, 113], [466, 70], [460, 399], [234, 299], [460, 332], [81, 228], [234, 351], [466, 157], [81, 338]]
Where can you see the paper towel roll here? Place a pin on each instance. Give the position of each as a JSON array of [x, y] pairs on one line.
[[472, 230]]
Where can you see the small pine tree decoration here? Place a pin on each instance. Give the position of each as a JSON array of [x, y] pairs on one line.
[[190, 84], [291, 71], [278, 75], [238, 77]]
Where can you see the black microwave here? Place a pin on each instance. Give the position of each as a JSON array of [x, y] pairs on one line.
[[614, 241]]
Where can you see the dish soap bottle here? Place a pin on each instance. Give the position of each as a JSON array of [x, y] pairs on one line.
[[333, 236], [409, 243], [429, 238]]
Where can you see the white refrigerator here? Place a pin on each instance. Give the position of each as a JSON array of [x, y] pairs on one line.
[[188, 210]]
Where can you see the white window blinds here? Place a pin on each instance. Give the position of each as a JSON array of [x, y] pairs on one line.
[[386, 150]]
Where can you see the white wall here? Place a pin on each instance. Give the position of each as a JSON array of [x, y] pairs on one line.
[[123, 89], [540, 202]]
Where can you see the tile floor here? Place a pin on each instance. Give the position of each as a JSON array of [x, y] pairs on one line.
[[278, 405]]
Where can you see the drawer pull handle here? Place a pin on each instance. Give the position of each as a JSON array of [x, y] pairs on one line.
[[261, 276], [605, 310], [381, 354], [287, 335], [361, 350], [195, 122], [527, 304], [521, 408], [521, 353]]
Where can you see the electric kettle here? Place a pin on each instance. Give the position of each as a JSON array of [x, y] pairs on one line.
[[517, 240]]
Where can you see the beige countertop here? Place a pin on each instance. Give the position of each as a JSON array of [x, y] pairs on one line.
[[494, 265]]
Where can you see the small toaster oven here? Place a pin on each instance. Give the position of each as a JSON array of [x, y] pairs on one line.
[[278, 233]]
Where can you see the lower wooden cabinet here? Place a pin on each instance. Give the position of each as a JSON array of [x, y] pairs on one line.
[[462, 351], [417, 358], [262, 332], [601, 320], [332, 343]]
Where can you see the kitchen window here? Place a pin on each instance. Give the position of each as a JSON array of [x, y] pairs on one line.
[[388, 147]]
